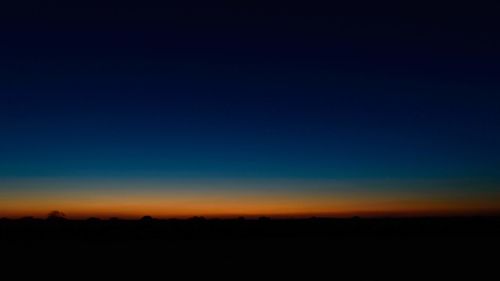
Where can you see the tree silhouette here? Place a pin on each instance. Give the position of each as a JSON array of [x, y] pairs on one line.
[[56, 216], [147, 219]]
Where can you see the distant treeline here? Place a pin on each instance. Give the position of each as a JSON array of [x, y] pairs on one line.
[[57, 227]]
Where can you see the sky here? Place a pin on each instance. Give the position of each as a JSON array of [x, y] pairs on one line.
[[226, 109]]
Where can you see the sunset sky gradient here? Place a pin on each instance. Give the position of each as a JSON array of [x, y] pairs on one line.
[[226, 110]]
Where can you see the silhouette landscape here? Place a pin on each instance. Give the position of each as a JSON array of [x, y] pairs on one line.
[[311, 139], [431, 244]]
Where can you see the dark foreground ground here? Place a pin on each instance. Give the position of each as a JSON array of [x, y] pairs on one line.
[[400, 248]]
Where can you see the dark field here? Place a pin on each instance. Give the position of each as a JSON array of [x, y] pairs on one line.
[[370, 247]]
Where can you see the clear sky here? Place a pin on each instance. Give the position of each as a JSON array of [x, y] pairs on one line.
[[178, 110]]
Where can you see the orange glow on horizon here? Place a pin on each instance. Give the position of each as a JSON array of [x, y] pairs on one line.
[[220, 199], [168, 205]]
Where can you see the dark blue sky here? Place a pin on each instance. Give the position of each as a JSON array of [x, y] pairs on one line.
[[243, 91]]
